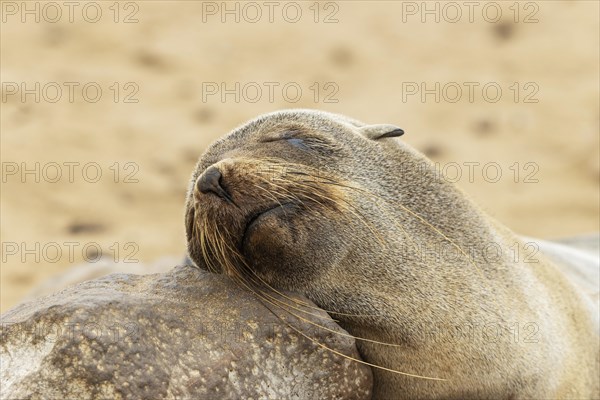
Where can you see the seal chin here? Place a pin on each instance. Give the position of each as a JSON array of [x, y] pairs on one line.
[[264, 225]]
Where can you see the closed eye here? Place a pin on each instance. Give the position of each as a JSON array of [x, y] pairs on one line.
[[303, 142], [294, 141], [297, 142]]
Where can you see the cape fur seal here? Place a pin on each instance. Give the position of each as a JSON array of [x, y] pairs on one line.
[[448, 302]]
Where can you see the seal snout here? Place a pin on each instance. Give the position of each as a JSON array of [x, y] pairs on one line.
[[211, 182]]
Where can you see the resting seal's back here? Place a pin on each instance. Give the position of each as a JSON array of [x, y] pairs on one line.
[[363, 226]]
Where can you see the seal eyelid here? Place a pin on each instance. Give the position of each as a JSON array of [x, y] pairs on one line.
[[292, 137], [288, 134], [297, 142], [299, 139]]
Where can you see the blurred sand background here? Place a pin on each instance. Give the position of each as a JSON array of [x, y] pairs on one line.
[[370, 54]]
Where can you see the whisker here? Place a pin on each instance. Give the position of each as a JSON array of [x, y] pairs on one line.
[[313, 340]]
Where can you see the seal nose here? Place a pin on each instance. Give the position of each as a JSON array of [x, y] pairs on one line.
[[210, 182]]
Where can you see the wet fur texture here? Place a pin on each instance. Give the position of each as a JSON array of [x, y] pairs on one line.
[[397, 254]]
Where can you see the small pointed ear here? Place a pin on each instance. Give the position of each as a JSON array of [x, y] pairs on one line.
[[380, 131]]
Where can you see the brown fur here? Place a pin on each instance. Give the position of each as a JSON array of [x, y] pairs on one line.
[[370, 233]]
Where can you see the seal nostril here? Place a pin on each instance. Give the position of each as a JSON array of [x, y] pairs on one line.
[[210, 182]]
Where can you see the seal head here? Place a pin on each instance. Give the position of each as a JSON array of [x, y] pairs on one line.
[[277, 195]]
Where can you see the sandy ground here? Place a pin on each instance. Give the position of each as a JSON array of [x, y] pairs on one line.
[[541, 133]]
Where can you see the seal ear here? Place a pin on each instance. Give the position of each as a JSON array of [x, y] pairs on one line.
[[380, 131]]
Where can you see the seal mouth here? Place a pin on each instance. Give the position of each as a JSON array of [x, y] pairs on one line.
[[255, 219]]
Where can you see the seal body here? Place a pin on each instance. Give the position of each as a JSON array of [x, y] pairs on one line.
[[363, 225]]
